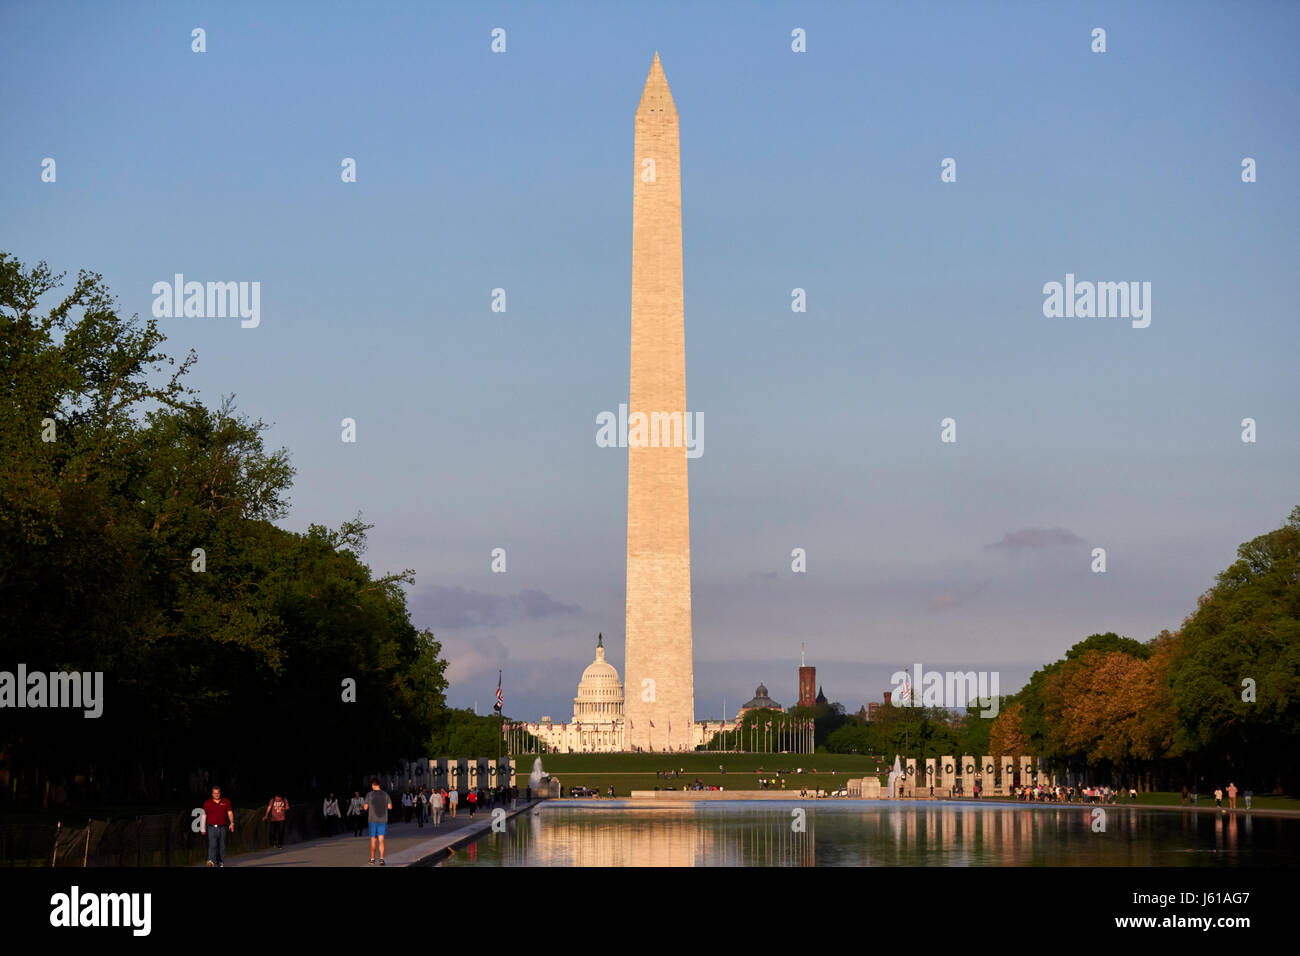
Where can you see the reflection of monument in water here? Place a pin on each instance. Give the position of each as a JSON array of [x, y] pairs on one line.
[[670, 836]]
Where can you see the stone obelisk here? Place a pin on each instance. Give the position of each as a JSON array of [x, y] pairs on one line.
[[659, 705]]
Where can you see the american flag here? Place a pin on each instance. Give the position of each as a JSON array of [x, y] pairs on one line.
[[500, 700], [905, 695]]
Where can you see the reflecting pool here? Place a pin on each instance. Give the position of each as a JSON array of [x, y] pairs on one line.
[[879, 833]]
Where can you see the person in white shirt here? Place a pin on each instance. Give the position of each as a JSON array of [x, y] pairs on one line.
[[357, 813], [407, 805], [330, 810]]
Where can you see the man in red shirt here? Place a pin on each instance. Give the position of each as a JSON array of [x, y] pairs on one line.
[[218, 819]]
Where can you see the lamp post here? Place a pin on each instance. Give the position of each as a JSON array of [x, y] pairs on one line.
[[500, 717]]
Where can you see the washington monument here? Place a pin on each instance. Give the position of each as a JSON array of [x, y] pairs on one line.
[[660, 697]]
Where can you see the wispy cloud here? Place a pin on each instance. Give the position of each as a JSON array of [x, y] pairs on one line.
[[1034, 539], [454, 608], [468, 658]]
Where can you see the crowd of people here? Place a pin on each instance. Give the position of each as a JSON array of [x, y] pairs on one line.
[[1042, 793]]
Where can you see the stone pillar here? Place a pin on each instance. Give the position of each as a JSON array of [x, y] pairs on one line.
[[988, 776], [1008, 767], [948, 774], [968, 770], [912, 780], [931, 775], [1026, 771]]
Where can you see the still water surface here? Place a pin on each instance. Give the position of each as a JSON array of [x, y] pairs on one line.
[[745, 833]]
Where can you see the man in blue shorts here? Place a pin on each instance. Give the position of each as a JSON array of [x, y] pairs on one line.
[[378, 803]]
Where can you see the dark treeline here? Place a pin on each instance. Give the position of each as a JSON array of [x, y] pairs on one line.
[[136, 540]]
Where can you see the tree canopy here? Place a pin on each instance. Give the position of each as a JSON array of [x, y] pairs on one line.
[[137, 540]]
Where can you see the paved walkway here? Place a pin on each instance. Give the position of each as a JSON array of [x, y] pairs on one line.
[[405, 845]]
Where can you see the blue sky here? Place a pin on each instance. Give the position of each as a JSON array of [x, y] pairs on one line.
[[820, 170]]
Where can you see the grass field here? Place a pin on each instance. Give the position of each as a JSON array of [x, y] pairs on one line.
[[627, 772]]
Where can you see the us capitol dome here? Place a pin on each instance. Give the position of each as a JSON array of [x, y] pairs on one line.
[[599, 725], [600, 692]]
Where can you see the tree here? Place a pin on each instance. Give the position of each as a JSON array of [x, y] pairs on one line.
[[1007, 736], [1234, 677], [137, 541]]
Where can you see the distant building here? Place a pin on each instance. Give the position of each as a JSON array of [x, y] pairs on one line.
[[821, 698], [600, 724], [807, 686], [760, 701]]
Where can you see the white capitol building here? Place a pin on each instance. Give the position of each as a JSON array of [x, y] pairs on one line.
[[598, 722]]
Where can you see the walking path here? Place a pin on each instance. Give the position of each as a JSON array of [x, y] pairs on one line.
[[406, 845]]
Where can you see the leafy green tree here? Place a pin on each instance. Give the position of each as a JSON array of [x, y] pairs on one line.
[[1235, 675], [137, 540]]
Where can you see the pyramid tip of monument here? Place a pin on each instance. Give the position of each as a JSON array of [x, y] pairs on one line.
[[656, 95]]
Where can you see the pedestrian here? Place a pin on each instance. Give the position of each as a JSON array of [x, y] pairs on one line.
[[435, 806], [1218, 797], [357, 812], [472, 799], [1232, 795], [378, 803], [218, 820], [1195, 793], [278, 810], [453, 798], [406, 806], [330, 811], [1184, 794], [1250, 795]]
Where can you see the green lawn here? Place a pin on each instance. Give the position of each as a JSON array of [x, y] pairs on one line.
[[627, 772]]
